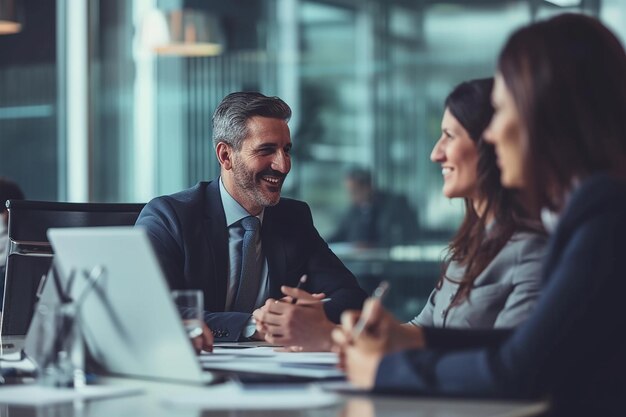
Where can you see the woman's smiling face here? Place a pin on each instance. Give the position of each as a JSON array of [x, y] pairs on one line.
[[457, 154]]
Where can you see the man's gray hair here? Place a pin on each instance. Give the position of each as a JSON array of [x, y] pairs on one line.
[[232, 114]]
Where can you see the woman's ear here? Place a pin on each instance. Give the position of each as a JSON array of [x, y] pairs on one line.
[[224, 154]]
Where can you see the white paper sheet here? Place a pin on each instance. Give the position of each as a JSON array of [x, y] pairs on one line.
[[272, 361], [272, 354], [38, 395], [252, 351], [319, 358], [13, 361], [216, 358], [276, 368], [242, 345]]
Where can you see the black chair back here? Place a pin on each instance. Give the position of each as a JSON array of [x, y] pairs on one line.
[[30, 254]]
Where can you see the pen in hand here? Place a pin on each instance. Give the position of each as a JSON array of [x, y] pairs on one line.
[[300, 285], [378, 294]]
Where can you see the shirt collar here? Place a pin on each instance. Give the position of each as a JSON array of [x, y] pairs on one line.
[[232, 209], [549, 219]]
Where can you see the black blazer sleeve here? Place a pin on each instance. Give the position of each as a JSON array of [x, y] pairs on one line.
[[295, 248]]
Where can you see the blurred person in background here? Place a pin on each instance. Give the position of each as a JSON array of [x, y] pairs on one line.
[[376, 218]]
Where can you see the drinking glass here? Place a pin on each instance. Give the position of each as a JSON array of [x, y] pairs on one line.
[[59, 352], [190, 304]]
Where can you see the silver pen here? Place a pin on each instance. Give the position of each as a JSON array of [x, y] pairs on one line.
[[300, 285], [378, 294]]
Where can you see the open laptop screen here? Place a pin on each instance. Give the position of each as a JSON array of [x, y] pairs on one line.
[[129, 321]]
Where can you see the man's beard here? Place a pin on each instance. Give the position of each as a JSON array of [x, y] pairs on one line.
[[250, 184]]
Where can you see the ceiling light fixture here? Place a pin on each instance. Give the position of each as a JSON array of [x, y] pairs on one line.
[[183, 32], [564, 3], [9, 23]]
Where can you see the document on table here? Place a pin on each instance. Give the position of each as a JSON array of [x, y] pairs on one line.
[[39, 395], [243, 345], [272, 354], [17, 362], [231, 396], [272, 368], [267, 360], [261, 351]]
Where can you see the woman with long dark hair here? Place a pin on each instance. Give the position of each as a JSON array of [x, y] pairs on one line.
[[491, 277], [559, 130]]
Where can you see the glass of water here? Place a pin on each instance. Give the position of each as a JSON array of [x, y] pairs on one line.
[[190, 304], [59, 351]]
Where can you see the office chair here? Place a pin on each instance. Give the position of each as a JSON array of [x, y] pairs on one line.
[[30, 254]]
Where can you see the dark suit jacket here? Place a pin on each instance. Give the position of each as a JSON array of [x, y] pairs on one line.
[[189, 234], [571, 348]]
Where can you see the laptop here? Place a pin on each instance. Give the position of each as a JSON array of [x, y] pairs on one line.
[[129, 321], [19, 297]]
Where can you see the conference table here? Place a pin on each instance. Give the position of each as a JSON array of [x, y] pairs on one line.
[[161, 399], [149, 398]]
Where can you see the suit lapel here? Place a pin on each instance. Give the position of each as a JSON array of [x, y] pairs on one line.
[[216, 234], [274, 251]]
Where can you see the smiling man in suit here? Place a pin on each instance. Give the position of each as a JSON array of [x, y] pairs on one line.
[[243, 245]]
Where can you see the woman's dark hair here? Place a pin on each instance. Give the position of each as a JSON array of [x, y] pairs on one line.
[[567, 77], [474, 246]]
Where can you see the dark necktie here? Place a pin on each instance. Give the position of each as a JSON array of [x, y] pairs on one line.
[[251, 263]]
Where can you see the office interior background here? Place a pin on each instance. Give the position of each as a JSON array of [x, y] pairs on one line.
[[111, 100]]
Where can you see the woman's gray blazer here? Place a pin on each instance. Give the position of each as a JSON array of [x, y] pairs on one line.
[[503, 294]]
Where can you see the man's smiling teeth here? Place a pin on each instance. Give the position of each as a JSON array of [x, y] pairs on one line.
[[446, 171], [271, 180]]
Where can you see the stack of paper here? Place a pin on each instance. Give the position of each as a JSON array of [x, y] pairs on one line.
[[269, 360]]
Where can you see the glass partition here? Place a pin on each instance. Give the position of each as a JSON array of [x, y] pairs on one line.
[[366, 81]]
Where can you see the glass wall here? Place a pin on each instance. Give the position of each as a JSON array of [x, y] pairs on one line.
[[366, 80], [29, 140]]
